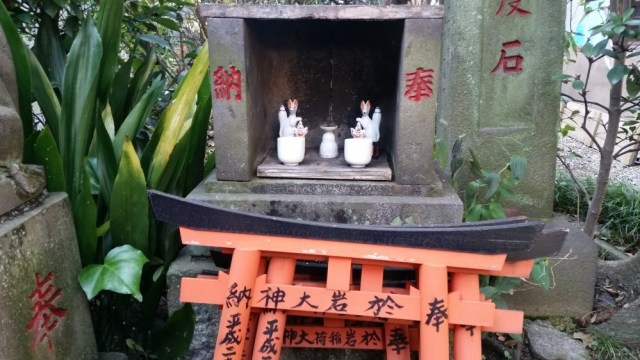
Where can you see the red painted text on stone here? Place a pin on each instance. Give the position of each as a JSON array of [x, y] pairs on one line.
[[224, 82], [46, 315], [515, 8], [509, 63], [418, 84]]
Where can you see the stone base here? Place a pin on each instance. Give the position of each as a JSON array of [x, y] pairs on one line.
[[575, 279], [335, 201], [38, 250]]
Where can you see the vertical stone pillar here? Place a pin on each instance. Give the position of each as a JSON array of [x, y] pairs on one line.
[[417, 94], [232, 127], [498, 60]]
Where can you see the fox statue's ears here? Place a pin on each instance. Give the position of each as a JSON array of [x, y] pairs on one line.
[[295, 102], [364, 105], [292, 103]]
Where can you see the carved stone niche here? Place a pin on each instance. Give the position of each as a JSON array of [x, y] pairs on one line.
[[329, 58]]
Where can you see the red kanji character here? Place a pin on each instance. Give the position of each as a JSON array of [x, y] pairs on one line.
[[46, 316], [515, 8], [419, 84], [225, 81], [509, 64]]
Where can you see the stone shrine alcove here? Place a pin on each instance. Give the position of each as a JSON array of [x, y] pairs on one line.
[[329, 58]]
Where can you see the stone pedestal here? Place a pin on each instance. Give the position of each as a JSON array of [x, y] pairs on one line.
[[574, 278], [44, 312], [353, 202]]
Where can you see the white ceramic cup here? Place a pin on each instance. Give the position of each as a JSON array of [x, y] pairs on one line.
[[358, 152], [291, 150]]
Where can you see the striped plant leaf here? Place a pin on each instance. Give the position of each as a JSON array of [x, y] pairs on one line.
[[129, 203], [175, 116], [44, 94], [78, 103], [47, 154], [109, 24], [85, 214], [136, 118]]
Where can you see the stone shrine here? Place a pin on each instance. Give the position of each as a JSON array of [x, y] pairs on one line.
[[329, 58]]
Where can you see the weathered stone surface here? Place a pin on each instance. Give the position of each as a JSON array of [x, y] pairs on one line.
[[547, 343], [415, 124], [234, 129], [31, 248], [505, 113], [624, 326], [333, 201], [574, 277], [19, 183]]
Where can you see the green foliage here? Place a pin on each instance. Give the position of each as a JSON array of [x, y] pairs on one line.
[[609, 348], [101, 114], [120, 273], [620, 217], [483, 196]]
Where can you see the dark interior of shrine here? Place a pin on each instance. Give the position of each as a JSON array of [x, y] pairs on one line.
[[329, 66]]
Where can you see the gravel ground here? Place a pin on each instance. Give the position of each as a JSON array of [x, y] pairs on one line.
[[585, 161]]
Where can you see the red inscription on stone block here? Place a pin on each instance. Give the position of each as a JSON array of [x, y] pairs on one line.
[[46, 315], [515, 8], [418, 84], [509, 63], [226, 81]]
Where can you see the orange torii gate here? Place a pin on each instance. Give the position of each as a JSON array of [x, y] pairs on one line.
[[262, 288]]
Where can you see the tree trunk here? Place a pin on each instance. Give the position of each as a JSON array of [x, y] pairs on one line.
[[606, 155]]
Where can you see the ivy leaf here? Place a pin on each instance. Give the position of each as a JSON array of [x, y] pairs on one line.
[[617, 73], [493, 181], [518, 166], [539, 273], [120, 273]]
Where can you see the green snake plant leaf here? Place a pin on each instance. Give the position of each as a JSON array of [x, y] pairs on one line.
[[47, 154], [78, 102], [48, 50], [118, 94], [140, 79], [129, 203], [176, 115], [185, 168], [21, 65], [44, 94], [194, 171], [120, 273], [85, 214], [109, 24], [107, 165], [136, 118]]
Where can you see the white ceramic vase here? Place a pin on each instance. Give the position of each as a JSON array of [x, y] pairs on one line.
[[328, 146], [358, 152], [291, 150]]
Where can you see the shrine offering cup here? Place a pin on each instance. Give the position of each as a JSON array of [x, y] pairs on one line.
[[358, 152], [328, 146], [291, 150]]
